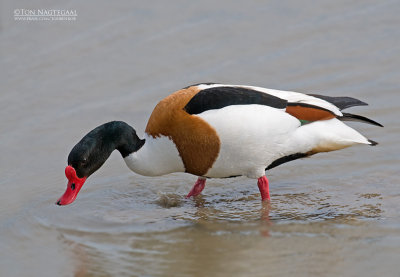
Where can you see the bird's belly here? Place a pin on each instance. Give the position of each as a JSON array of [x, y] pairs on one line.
[[250, 163]]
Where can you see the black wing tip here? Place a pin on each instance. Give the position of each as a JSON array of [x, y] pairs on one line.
[[359, 102], [356, 117], [372, 143], [342, 102], [355, 102]]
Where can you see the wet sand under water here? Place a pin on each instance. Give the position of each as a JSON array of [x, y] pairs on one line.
[[335, 214]]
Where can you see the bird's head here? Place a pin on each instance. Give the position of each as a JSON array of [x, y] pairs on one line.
[[91, 152]]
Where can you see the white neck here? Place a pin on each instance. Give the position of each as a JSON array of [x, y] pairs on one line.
[[158, 156]]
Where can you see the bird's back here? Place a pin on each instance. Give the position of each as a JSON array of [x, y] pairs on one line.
[[223, 130]]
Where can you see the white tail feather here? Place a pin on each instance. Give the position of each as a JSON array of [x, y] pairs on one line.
[[328, 135]]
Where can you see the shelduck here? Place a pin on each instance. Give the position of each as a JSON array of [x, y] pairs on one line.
[[220, 131]]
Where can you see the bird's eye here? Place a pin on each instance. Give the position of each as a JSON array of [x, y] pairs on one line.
[[83, 162]]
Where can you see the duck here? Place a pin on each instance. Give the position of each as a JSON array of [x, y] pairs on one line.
[[213, 130]]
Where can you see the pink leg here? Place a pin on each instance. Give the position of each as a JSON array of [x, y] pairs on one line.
[[264, 188], [198, 187]]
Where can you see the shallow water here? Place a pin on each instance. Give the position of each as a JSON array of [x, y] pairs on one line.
[[335, 214]]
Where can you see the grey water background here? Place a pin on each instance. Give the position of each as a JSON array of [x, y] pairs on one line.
[[335, 214]]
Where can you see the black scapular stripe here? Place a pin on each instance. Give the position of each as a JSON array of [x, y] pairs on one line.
[[342, 102], [219, 97]]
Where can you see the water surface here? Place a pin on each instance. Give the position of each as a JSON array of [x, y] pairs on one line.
[[335, 214]]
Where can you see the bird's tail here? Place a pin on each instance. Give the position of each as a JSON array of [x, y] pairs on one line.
[[330, 135]]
